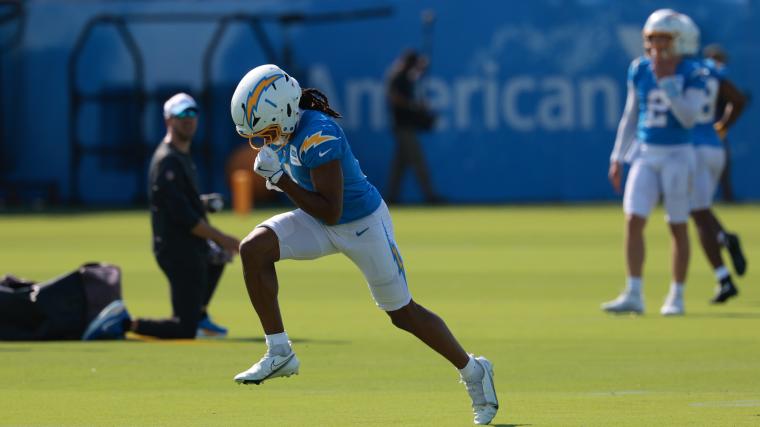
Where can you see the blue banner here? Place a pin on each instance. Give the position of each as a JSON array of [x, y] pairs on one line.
[[528, 94]]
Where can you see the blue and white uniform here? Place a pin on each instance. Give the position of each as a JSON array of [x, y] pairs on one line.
[[710, 153], [659, 115], [364, 232]]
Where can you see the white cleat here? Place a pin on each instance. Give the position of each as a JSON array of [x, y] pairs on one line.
[[673, 305], [483, 393], [270, 366], [625, 303]]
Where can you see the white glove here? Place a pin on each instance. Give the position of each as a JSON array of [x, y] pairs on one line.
[[271, 186], [268, 165]]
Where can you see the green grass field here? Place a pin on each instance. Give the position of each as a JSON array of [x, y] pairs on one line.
[[521, 285]]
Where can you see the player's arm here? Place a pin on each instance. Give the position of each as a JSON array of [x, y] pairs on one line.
[[170, 186], [326, 201], [207, 231], [735, 103], [625, 137], [685, 105]]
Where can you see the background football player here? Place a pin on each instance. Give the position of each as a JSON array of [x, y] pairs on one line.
[[665, 94], [711, 159]]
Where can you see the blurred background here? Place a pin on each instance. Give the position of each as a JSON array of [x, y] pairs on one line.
[[528, 94]]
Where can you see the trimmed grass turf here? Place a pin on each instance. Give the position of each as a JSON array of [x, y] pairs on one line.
[[521, 285]]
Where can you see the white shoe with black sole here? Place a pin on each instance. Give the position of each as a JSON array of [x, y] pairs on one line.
[[483, 393], [270, 366]]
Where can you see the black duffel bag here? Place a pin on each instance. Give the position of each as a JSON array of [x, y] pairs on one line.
[[60, 308]]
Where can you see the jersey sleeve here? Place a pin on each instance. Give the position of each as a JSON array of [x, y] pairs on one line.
[[696, 78], [633, 71], [323, 144], [721, 72]]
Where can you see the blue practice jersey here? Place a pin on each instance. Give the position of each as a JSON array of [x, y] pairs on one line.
[[657, 124], [318, 140], [704, 132]]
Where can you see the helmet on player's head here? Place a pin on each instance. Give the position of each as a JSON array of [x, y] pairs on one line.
[[264, 106], [664, 22], [689, 35]]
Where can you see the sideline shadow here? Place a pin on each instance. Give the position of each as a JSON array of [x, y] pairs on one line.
[[726, 315]]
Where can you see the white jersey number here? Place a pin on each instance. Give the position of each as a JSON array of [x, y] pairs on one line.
[[657, 109], [707, 114]]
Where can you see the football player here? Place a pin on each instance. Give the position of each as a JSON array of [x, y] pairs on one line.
[[303, 152], [711, 159], [665, 94]]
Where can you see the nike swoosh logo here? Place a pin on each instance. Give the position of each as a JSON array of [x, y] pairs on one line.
[[322, 153], [277, 366], [359, 233]]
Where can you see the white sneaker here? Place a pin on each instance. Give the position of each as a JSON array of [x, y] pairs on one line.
[[483, 393], [625, 303], [673, 305], [270, 366]]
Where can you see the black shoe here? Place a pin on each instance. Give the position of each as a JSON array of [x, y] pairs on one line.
[[725, 291], [737, 256]]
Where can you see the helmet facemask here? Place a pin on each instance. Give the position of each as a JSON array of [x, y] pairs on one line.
[[659, 44], [271, 135]]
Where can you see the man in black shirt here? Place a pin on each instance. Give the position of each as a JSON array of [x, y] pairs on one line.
[[409, 115], [189, 250]]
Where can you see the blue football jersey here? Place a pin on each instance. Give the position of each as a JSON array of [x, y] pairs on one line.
[[657, 124], [704, 132], [318, 140]]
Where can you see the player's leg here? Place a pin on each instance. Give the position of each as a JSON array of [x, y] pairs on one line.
[[187, 275], [680, 251], [709, 164], [641, 194], [635, 247], [292, 235], [718, 164], [732, 243], [370, 244], [677, 179], [708, 236], [207, 328], [258, 253], [475, 372]]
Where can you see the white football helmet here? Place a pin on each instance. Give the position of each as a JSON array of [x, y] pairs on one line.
[[264, 106], [689, 35], [667, 22]]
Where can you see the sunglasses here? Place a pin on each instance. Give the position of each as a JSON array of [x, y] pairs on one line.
[[187, 114]]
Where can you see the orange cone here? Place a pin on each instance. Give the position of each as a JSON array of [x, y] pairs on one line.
[[242, 191]]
